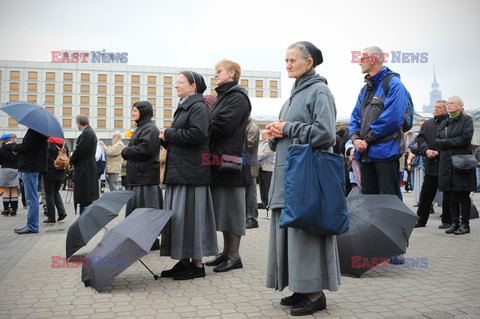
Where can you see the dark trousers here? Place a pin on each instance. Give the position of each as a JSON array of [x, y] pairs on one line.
[[380, 177], [251, 199], [427, 195], [264, 178], [53, 199], [460, 204]]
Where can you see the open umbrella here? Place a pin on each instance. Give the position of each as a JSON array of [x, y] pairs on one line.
[[34, 117], [94, 217], [124, 244], [380, 228]]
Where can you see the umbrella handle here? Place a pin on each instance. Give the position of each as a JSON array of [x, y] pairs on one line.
[[154, 276], [405, 234]]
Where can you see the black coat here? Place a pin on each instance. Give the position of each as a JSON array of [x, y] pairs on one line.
[[52, 174], [32, 152], [7, 158], [85, 167], [228, 121], [142, 152], [185, 141], [426, 141], [454, 137]]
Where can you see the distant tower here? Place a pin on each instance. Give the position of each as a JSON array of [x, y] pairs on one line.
[[435, 94]]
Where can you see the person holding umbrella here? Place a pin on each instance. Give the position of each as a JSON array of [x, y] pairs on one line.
[[32, 160], [192, 227], [306, 263]]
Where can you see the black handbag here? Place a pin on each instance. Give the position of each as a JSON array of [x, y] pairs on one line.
[[464, 163], [231, 164]]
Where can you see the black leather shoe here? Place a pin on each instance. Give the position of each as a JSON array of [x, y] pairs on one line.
[[462, 230], [180, 266], [5, 212], [452, 229], [418, 225], [308, 307], [61, 217], [25, 231], [251, 223], [444, 226], [13, 213], [291, 300], [48, 221], [190, 272], [229, 264], [217, 261]]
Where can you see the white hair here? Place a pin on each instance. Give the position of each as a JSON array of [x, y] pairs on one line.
[[458, 99], [377, 52], [117, 133]]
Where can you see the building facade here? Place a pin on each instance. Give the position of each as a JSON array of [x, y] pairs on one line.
[[106, 92]]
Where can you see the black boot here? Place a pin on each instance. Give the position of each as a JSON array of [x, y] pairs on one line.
[[462, 230], [453, 228]]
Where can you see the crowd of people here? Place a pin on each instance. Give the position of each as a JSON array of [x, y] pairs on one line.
[[208, 195]]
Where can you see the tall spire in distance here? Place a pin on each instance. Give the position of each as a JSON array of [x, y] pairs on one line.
[[435, 85]]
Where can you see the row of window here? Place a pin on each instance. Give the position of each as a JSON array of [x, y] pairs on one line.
[[85, 88], [119, 78]]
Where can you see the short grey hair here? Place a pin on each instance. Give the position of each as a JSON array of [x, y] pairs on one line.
[[458, 99], [303, 49], [377, 52], [117, 133]]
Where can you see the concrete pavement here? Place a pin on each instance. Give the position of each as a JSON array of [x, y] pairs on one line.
[[449, 287]]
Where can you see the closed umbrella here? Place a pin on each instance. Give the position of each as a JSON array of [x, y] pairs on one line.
[[380, 226], [34, 117], [124, 244], [94, 217]]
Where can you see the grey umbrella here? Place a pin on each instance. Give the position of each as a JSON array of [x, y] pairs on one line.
[[94, 217], [124, 244], [380, 228]]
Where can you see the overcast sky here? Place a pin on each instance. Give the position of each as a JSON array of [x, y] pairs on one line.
[[187, 33]]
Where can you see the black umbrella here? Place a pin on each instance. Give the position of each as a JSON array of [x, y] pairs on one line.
[[94, 217], [380, 228], [124, 244], [34, 117]]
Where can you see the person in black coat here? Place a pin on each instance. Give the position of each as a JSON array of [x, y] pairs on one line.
[[228, 121], [454, 137], [426, 147], [9, 180], [32, 160], [53, 179], [143, 164], [85, 177]]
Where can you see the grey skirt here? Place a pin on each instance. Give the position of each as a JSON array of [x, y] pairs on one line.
[[191, 231], [230, 209], [303, 262], [149, 196], [8, 177]]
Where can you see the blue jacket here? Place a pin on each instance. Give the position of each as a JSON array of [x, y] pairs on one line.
[[379, 122]]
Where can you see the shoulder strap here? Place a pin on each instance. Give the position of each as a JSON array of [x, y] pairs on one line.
[[386, 83]]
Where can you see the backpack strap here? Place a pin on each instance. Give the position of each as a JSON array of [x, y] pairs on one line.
[[386, 83]]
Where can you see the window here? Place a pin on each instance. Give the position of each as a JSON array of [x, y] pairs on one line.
[[154, 113], [31, 98], [273, 84], [118, 89], [102, 100], [244, 83], [102, 89], [14, 75], [49, 99], [85, 88], [67, 123], [101, 111], [84, 100], [119, 101], [167, 80], [258, 93], [167, 91], [84, 110], [67, 76], [14, 87], [213, 92], [152, 90], [259, 83], [167, 123], [67, 111], [12, 122], [67, 88], [118, 78], [50, 76], [118, 112], [32, 87], [50, 87], [67, 99], [134, 100], [13, 97], [213, 81], [50, 109], [102, 78], [135, 90], [152, 101], [32, 75], [167, 102], [152, 79], [101, 123], [273, 94], [135, 78], [167, 113], [118, 123], [85, 77]]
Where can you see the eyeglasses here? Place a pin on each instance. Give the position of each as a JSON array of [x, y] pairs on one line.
[[219, 71], [364, 58]]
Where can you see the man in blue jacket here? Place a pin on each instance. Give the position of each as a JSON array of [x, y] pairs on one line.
[[376, 126]]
